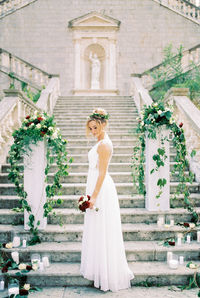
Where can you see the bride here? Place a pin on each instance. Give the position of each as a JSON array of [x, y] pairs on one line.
[[103, 257]]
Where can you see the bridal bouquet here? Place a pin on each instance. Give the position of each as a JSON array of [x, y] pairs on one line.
[[84, 203]]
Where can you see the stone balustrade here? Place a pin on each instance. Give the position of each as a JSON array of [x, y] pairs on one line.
[[9, 6], [140, 94], [22, 70], [190, 57], [13, 108], [185, 7], [187, 113]]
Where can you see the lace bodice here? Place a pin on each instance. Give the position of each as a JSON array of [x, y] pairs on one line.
[[93, 156]]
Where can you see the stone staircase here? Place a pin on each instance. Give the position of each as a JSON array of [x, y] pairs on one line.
[[146, 257]]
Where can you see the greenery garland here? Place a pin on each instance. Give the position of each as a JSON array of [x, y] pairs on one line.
[[35, 128], [152, 118]]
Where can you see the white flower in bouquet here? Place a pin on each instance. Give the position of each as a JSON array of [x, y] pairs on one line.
[[192, 225], [22, 266], [159, 112], [27, 287]]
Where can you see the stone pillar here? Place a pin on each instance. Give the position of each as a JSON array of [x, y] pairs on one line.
[[77, 83], [34, 184], [112, 66], [152, 189]]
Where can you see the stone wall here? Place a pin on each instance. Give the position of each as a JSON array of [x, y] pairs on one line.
[[39, 34]]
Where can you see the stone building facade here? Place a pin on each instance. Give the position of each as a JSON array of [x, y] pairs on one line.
[[41, 33]]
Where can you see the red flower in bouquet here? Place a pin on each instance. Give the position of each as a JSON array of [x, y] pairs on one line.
[[84, 203]]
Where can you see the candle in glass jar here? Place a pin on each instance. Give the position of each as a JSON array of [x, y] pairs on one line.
[[15, 256], [14, 290], [2, 284], [171, 222], [169, 256], [16, 241], [45, 261], [198, 236], [188, 239], [181, 260], [173, 264]]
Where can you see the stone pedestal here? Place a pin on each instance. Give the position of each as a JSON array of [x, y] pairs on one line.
[[34, 184], [152, 189]]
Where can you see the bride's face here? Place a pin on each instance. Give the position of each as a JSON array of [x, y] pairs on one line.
[[95, 128]]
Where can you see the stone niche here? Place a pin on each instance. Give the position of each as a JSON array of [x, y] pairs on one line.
[[95, 34]]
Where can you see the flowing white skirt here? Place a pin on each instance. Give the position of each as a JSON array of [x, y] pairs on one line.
[[103, 257]]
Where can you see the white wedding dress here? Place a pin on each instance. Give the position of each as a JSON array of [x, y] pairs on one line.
[[103, 257]]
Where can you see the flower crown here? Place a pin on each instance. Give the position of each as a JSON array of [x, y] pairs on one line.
[[101, 116]]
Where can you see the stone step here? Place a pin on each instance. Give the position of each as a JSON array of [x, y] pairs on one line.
[[135, 251], [82, 177], [73, 232], [75, 216], [125, 201], [70, 201], [109, 109], [68, 274], [83, 167], [113, 136], [129, 141], [79, 188], [116, 118]]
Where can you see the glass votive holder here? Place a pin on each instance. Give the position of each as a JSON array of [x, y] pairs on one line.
[[15, 256], [46, 261], [16, 241], [35, 260], [2, 283], [179, 239], [181, 260], [160, 220], [169, 256], [173, 263], [24, 241], [198, 236], [188, 238], [13, 288]]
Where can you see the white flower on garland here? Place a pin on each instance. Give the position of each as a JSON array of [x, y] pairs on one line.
[[32, 124], [142, 123], [38, 126], [22, 266], [51, 128], [9, 245], [27, 287], [159, 112]]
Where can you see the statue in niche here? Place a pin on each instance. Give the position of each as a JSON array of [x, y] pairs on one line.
[[95, 71]]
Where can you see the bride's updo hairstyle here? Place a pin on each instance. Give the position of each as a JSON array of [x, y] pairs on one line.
[[100, 116]]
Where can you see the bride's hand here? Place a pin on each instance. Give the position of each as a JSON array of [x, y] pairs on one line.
[[92, 203]]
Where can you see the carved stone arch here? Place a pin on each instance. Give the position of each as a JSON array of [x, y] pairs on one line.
[[98, 33]]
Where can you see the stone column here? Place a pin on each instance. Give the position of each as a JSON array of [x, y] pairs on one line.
[[112, 65], [34, 184], [152, 189], [77, 70]]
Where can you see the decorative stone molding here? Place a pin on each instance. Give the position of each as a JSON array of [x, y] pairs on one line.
[[95, 33], [9, 6]]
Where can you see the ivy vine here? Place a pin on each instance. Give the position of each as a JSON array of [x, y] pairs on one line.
[[153, 117], [35, 128]]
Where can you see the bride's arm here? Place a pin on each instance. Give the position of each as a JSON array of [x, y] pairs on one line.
[[104, 152]]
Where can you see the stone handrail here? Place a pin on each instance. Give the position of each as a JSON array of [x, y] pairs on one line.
[[189, 57], [9, 6], [139, 93], [184, 7], [13, 108], [187, 113], [22, 70], [49, 95]]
